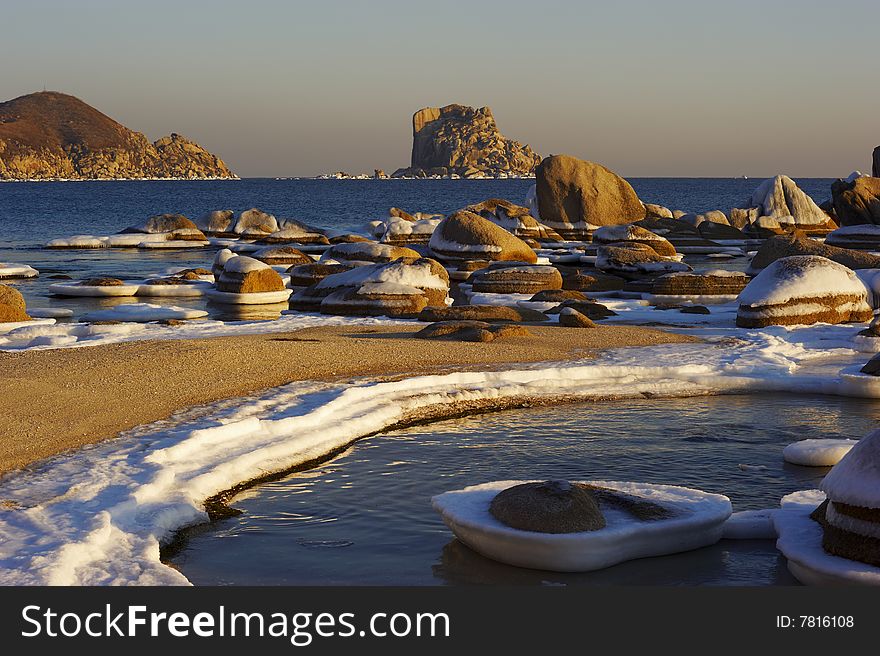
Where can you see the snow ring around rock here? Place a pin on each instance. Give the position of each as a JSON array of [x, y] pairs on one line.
[[253, 298], [76, 289], [817, 452], [699, 522], [800, 541], [143, 312]]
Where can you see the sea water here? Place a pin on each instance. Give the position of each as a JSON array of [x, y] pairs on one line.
[[33, 213]]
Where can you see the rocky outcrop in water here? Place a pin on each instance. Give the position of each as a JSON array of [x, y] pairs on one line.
[[464, 141], [51, 135]]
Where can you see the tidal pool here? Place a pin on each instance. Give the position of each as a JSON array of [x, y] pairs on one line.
[[365, 517]]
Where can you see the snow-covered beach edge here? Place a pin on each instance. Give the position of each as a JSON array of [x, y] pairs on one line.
[[102, 514]]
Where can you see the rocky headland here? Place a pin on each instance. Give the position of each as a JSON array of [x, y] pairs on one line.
[[54, 136]]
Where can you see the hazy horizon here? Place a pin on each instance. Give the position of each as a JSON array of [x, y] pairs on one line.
[[288, 89]]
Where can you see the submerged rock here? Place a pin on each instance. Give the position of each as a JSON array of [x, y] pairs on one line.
[[548, 507]]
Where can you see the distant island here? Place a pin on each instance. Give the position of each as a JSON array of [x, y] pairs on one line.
[[457, 141], [55, 136]]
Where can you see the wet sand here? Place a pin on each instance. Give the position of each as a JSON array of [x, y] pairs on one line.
[[52, 401]]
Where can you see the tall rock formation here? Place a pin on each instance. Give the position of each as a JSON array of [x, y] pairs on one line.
[[50, 135], [461, 140]]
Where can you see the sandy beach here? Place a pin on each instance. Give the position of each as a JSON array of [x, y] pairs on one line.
[[56, 400]]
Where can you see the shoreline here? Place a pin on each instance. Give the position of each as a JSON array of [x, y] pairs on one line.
[[81, 396]]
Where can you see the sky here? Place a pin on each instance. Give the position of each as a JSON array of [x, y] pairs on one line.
[[647, 88]]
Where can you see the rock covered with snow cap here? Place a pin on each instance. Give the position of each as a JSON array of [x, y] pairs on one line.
[[522, 279], [803, 289], [851, 516], [862, 237], [399, 231], [216, 222], [633, 259], [246, 275], [515, 219], [464, 235], [366, 252], [255, 222], [400, 288], [781, 200], [633, 234], [287, 255]]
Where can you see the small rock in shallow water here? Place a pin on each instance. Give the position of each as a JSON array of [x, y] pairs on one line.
[[571, 318], [548, 507], [872, 367], [695, 309]]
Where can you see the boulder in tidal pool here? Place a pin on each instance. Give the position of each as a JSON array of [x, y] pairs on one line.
[[548, 507], [12, 305]]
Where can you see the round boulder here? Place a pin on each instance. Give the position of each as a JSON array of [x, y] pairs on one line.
[[548, 507], [464, 235], [575, 196]]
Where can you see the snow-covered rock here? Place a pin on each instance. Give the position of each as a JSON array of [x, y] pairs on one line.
[[803, 289], [464, 235], [696, 520], [780, 199]]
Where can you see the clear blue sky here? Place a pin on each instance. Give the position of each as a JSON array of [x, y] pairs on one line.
[[298, 88]]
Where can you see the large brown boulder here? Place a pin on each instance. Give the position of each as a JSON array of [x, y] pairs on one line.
[[548, 507], [799, 244], [575, 195], [464, 235], [12, 305], [857, 202]]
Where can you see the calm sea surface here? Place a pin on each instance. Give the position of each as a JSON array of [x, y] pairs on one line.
[[33, 213], [365, 518]]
